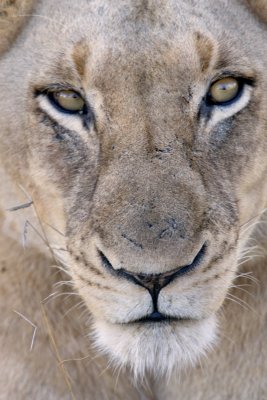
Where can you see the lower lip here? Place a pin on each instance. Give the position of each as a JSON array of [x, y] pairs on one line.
[[157, 317]]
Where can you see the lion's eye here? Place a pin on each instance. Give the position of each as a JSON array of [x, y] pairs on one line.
[[224, 91], [68, 101]]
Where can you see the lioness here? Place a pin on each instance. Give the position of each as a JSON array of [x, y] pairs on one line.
[[133, 189]]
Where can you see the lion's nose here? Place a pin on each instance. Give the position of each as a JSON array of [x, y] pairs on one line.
[[154, 282]]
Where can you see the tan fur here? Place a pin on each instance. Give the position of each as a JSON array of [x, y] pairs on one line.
[[259, 7], [147, 180], [13, 14]]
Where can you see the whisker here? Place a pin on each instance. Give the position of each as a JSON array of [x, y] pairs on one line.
[[253, 218], [252, 225], [117, 371], [55, 295], [235, 301], [63, 283], [227, 338], [61, 269], [109, 364], [76, 306], [243, 290], [241, 302], [48, 297], [246, 275], [75, 359], [249, 276]]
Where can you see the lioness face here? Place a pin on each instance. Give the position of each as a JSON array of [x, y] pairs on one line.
[[141, 117]]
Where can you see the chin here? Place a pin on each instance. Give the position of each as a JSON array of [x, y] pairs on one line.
[[159, 349]]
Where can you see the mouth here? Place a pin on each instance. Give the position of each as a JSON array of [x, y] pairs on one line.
[[156, 317]]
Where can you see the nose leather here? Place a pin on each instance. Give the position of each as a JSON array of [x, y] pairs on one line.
[[154, 284], [152, 281]]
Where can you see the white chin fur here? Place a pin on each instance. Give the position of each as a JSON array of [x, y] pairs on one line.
[[157, 348]]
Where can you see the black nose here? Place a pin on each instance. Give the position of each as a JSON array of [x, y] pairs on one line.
[[154, 282]]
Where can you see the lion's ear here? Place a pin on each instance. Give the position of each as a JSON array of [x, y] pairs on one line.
[[258, 7], [13, 15]]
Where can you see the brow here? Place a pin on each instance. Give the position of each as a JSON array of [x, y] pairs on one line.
[[80, 55], [206, 51]]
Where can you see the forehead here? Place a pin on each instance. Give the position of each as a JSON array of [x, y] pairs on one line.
[[152, 27], [139, 17]]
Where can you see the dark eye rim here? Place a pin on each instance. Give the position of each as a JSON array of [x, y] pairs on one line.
[[242, 82], [87, 115], [211, 102], [51, 97]]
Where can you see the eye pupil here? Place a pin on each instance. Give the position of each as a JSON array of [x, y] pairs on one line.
[[69, 101], [224, 90]]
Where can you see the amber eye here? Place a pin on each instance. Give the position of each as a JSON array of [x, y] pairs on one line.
[[224, 91], [68, 101]]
